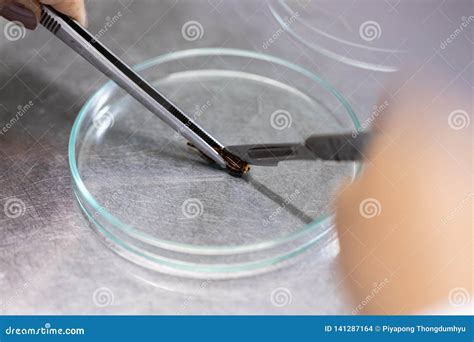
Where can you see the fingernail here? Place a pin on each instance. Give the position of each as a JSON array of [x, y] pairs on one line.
[[16, 12]]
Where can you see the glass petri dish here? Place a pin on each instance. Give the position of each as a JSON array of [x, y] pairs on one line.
[[353, 33], [155, 201]]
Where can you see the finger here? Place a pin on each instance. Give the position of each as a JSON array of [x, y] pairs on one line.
[[25, 11], [73, 8], [404, 224]]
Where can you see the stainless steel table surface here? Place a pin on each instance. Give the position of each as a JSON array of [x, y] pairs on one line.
[[52, 262]]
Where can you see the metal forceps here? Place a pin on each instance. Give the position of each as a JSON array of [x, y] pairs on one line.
[[236, 159]]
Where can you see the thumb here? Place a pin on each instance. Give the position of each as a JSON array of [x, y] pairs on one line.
[[26, 12]]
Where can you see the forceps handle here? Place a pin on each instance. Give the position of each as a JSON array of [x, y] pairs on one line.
[[85, 44]]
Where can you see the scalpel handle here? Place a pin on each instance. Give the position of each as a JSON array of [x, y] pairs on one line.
[[341, 147]]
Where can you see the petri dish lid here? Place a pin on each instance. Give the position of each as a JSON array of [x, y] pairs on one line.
[[156, 202], [356, 33]]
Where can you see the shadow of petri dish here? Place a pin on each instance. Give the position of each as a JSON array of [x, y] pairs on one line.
[[157, 203]]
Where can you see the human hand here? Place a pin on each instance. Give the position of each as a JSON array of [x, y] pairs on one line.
[[28, 12], [405, 225]]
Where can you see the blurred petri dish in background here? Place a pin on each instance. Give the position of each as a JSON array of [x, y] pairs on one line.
[[363, 34], [156, 202]]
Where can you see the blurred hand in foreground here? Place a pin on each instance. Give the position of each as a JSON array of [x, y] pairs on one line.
[[405, 225]]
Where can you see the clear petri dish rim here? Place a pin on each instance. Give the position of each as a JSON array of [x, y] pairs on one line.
[[84, 193], [280, 10]]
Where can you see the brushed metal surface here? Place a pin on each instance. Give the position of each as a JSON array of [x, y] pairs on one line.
[[51, 262]]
